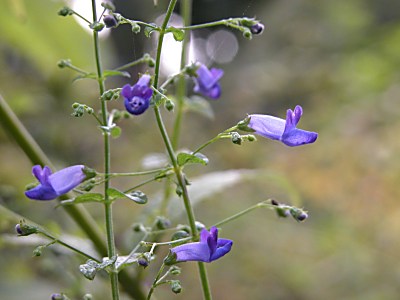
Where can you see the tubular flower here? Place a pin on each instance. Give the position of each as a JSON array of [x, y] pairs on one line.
[[206, 82], [282, 130], [208, 249], [53, 185], [137, 97]]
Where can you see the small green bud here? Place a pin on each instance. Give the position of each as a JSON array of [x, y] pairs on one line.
[[247, 22], [170, 259], [184, 228], [251, 138], [135, 27], [176, 286], [169, 105], [58, 296], [236, 138], [88, 185], [96, 26], [244, 125], [179, 190], [63, 63], [199, 226], [139, 227], [162, 223], [108, 95], [150, 61], [38, 251], [108, 5], [181, 234], [65, 11], [143, 261], [87, 297], [247, 33], [175, 270]]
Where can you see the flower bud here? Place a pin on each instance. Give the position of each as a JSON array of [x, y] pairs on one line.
[[110, 21], [298, 214], [179, 235], [176, 286], [38, 251], [24, 229], [199, 226], [87, 297], [251, 138], [175, 270], [162, 223], [96, 26], [236, 138], [139, 227], [57, 296], [257, 28], [135, 27], [170, 259], [65, 11], [143, 261], [63, 63], [108, 5], [169, 105], [247, 33]]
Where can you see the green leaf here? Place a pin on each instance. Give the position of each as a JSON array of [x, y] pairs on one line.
[[199, 105], [179, 34], [91, 267], [110, 73], [136, 196], [187, 158], [115, 132], [84, 198]]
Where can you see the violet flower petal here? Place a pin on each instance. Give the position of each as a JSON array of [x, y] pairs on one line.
[[282, 130], [137, 97], [192, 252], [206, 82], [53, 185]]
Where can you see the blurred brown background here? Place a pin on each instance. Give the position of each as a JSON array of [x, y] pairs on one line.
[[338, 59]]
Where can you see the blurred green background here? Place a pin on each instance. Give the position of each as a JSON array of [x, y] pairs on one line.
[[338, 59]]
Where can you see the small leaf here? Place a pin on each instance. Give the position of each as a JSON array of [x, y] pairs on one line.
[[186, 158], [200, 105], [84, 198], [88, 75], [149, 30], [179, 34], [109, 73], [116, 132], [91, 267], [136, 196]]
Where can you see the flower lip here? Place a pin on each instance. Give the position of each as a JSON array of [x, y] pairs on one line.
[[283, 130], [208, 249], [137, 97], [51, 185]]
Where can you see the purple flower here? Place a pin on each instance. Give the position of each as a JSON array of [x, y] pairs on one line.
[[206, 82], [137, 97], [208, 249], [282, 130], [53, 185]]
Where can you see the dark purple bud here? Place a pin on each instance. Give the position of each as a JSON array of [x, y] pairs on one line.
[[257, 28], [110, 21], [143, 261], [298, 214], [24, 229]]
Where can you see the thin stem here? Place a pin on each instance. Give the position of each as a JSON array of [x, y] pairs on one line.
[[153, 286], [140, 184], [141, 173], [221, 135], [243, 212], [66, 245], [107, 163], [171, 153], [133, 63]]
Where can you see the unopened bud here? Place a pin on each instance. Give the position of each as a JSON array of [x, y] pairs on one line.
[[24, 229], [162, 223], [175, 270], [65, 11], [96, 26], [169, 105], [110, 21], [179, 235], [257, 28], [143, 261], [236, 138], [247, 33], [176, 286], [298, 214], [108, 5]]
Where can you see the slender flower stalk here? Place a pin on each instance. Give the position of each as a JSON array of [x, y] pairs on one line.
[[171, 153], [107, 163]]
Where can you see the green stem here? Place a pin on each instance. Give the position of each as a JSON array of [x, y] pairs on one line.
[[171, 153], [153, 286], [221, 135], [246, 211], [107, 163], [66, 245], [131, 64]]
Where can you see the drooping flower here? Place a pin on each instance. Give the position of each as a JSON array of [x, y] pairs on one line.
[[206, 82], [208, 249], [137, 97], [282, 130], [53, 185]]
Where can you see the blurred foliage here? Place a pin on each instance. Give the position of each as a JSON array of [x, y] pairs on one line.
[[338, 59]]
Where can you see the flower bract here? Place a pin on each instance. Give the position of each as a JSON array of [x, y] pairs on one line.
[[208, 249], [282, 130], [51, 185], [137, 97], [206, 82]]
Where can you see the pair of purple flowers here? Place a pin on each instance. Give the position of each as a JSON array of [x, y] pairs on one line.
[[137, 97], [51, 185]]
